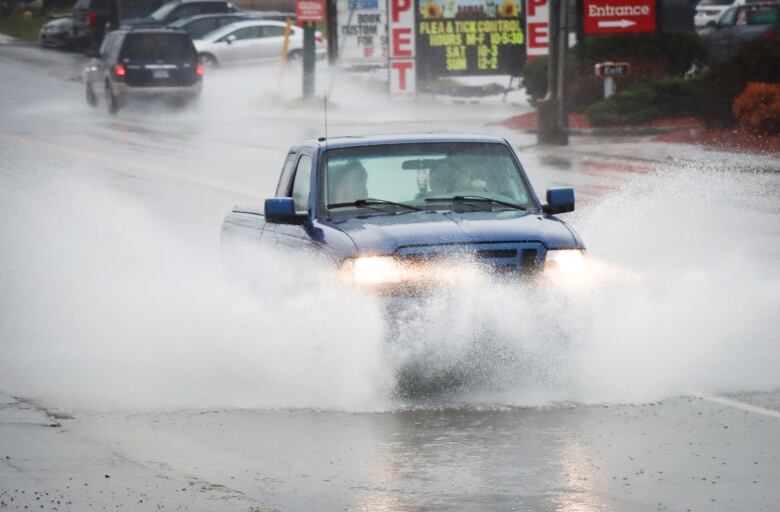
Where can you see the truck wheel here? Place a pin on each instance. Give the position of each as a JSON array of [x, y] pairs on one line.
[[91, 96], [112, 103]]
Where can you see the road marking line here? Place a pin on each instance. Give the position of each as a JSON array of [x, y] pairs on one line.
[[151, 169], [734, 403]]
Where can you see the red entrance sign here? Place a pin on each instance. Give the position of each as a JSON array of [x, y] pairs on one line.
[[618, 16], [310, 10]]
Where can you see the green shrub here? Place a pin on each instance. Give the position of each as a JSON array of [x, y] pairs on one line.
[[534, 76], [650, 56], [21, 26], [648, 100], [669, 53]]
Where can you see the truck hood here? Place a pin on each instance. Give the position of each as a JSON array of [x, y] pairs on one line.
[[384, 234]]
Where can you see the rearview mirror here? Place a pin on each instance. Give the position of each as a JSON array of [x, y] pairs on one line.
[[420, 163], [229, 39], [559, 200], [281, 210]]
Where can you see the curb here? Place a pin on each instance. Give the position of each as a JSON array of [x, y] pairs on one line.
[[638, 131]]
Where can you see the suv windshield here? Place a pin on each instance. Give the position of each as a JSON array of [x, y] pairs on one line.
[[714, 2], [158, 46], [414, 174]]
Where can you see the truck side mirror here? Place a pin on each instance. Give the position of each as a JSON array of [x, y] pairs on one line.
[[559, 200], [281, 210]]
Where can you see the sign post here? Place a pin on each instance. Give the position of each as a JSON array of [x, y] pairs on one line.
[[308, 12], [618, 16], [552, 115], [609, 70]]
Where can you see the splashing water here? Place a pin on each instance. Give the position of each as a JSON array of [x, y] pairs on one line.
[[117, 311]]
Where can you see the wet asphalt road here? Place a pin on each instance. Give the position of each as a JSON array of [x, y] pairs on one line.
[[186, 168], [680, 454]]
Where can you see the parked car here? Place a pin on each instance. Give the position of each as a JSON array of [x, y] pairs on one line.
[[93, 18], [709, 11], [144, 63], [252, 41], [180, 9], [58, 33], [404, 215], [739, 25], [200, 25]]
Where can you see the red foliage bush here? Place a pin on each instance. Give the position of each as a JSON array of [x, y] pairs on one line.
[[758, 108]]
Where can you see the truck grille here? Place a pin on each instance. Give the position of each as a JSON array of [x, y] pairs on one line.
[[522, 258]]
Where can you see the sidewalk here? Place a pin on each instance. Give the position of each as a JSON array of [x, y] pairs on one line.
[[645, 150], [46, 466], [661, 142]]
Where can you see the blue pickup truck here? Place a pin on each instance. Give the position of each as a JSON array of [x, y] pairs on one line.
[[404, 214]]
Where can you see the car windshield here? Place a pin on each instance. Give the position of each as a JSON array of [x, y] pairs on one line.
[[179, 23], [161, 13], [158, 46], [760, 15], [426, 176], [705, 3]]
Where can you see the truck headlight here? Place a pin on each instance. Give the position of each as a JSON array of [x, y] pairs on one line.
[[374, 270], [564, 262]]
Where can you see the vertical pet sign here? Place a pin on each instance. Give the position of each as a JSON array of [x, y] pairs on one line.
[[402, 68]]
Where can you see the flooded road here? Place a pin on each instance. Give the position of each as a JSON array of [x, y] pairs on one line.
[[655, 387], [679, 454]]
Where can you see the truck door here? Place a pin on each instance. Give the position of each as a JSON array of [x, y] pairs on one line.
[[299, 188]]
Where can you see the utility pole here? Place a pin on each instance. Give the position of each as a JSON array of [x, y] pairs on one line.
[[309, 58], [308, 12], [553, 119], [332, 25]]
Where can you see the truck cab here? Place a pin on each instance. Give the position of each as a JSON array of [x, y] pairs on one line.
[[411, 212]]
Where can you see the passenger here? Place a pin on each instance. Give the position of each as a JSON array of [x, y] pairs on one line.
[[347, 182]]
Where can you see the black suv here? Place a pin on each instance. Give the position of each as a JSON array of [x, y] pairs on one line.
[[180, 9], [144, 63]]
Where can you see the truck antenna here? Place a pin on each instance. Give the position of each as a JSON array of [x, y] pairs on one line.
[[325, 105]]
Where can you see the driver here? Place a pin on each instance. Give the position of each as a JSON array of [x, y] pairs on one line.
[[347, 182], [447, 178]]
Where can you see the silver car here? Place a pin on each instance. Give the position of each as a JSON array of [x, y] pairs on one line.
[[251, 42]]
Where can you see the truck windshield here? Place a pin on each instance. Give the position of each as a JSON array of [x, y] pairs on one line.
[[413, 174]]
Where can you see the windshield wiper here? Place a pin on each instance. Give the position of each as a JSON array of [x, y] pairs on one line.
[[474, 199], [370, 201]]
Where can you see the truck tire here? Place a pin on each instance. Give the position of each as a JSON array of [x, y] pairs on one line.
[[112, 103], [91, 96]]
